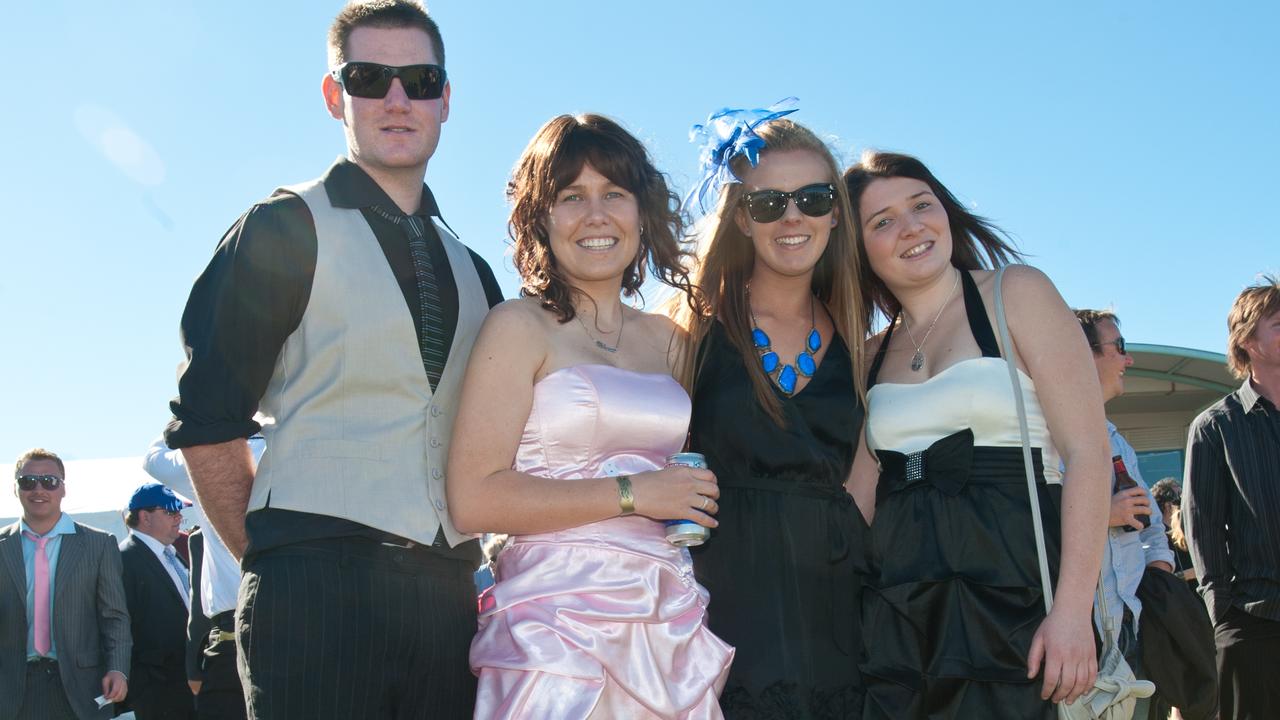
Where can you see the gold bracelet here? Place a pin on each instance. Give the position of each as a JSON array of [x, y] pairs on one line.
[[626, 500]]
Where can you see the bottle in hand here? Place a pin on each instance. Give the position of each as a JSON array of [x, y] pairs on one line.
[[1123, 482]]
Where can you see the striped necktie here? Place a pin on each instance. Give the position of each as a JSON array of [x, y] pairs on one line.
[[171, 556], [431, 336]]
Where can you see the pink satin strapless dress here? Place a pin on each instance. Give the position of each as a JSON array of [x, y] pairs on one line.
[[603, 620]]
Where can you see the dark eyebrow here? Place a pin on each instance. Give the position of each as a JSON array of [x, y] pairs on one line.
[[885, 209]]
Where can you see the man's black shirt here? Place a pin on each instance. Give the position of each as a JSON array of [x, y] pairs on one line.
[[1231, 504], [252, 296]]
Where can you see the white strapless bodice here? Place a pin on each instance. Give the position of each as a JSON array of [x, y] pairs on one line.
[[973, 394]]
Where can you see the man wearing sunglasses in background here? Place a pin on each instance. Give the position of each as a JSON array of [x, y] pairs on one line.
[[64, 627], [157, 587], [1135, 533], [345, 310]]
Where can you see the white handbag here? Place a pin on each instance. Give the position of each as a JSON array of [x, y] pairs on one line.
[[1116, 690]]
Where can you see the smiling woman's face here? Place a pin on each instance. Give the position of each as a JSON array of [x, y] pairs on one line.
[[906, 232], [792, 245]]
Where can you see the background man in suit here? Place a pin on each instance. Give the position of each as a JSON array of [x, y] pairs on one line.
[[64, 628], [156, 586], [345, 309]]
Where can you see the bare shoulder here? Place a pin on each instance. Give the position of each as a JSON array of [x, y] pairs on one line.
[[663, 335], [521, 318], [515, 334], [1023, 282], [657, 325]]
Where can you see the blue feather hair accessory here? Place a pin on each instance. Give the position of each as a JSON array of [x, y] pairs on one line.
[[728, 133]]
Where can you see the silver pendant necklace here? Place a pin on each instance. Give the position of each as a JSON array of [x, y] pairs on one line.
[[622, 321], [917, 360]]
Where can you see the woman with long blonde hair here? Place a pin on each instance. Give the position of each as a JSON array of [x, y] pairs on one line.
[[773, 365]]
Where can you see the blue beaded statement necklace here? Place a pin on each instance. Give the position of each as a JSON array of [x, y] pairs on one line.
[[783, 375]]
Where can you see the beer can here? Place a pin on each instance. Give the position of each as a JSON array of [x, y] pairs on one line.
[[686, 533]]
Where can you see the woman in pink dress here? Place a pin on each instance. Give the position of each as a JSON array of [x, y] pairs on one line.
[[568, 413]]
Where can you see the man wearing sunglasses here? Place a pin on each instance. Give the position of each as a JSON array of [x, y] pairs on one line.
[[157, 588], [64, 626], [345, 310], [1135, 536]]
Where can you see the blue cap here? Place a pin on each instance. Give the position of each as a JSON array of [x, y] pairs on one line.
[[154, 494]]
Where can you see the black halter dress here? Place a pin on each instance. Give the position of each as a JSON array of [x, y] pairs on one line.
[[954, 598]]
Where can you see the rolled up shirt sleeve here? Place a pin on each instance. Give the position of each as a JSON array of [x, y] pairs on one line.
[[1204, 514], [242, 308]]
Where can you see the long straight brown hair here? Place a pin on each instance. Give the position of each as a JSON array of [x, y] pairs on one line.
[[725, 258]]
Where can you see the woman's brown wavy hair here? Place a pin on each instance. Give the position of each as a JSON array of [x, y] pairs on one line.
[[552, 161], [726, 257]]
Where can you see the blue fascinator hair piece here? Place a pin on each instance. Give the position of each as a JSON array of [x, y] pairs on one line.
[[728, 133]]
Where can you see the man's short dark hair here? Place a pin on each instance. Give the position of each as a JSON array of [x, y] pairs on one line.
[[381, 14], [131, 518], [39, 454], [1089, 320]]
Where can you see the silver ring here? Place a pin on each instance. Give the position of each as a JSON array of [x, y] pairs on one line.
[[705, 499]]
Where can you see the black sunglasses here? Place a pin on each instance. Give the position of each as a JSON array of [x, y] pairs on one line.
[[1118, 342], [373, 80], [48, 482], [766, 206]]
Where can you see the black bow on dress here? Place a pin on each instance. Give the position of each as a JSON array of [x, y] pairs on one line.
[[945, 464]]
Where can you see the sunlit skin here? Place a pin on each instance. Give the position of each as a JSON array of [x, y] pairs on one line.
[[791, 245], [594, 230], [906, 232], [41, 508], [1263, 348], [1110, 363], [786, 252], [392, 138]]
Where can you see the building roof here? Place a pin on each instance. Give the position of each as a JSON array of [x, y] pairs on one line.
[[1164, 390]]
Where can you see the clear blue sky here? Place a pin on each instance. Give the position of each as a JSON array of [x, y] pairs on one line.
[[1129, 147]]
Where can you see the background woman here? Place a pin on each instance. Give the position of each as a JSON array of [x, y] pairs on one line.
[[776, 412], [954, 612], [568, 412]]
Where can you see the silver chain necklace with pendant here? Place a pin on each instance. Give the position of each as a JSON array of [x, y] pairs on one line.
[[622, 321], [917, 360]]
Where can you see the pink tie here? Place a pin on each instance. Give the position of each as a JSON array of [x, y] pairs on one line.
[[42, 593]]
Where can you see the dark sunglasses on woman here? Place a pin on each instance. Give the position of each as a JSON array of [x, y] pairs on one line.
[[766, 206], [373, 80]]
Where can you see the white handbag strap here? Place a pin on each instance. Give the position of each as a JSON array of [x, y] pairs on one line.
[[1108, 634], [1028, 464]]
